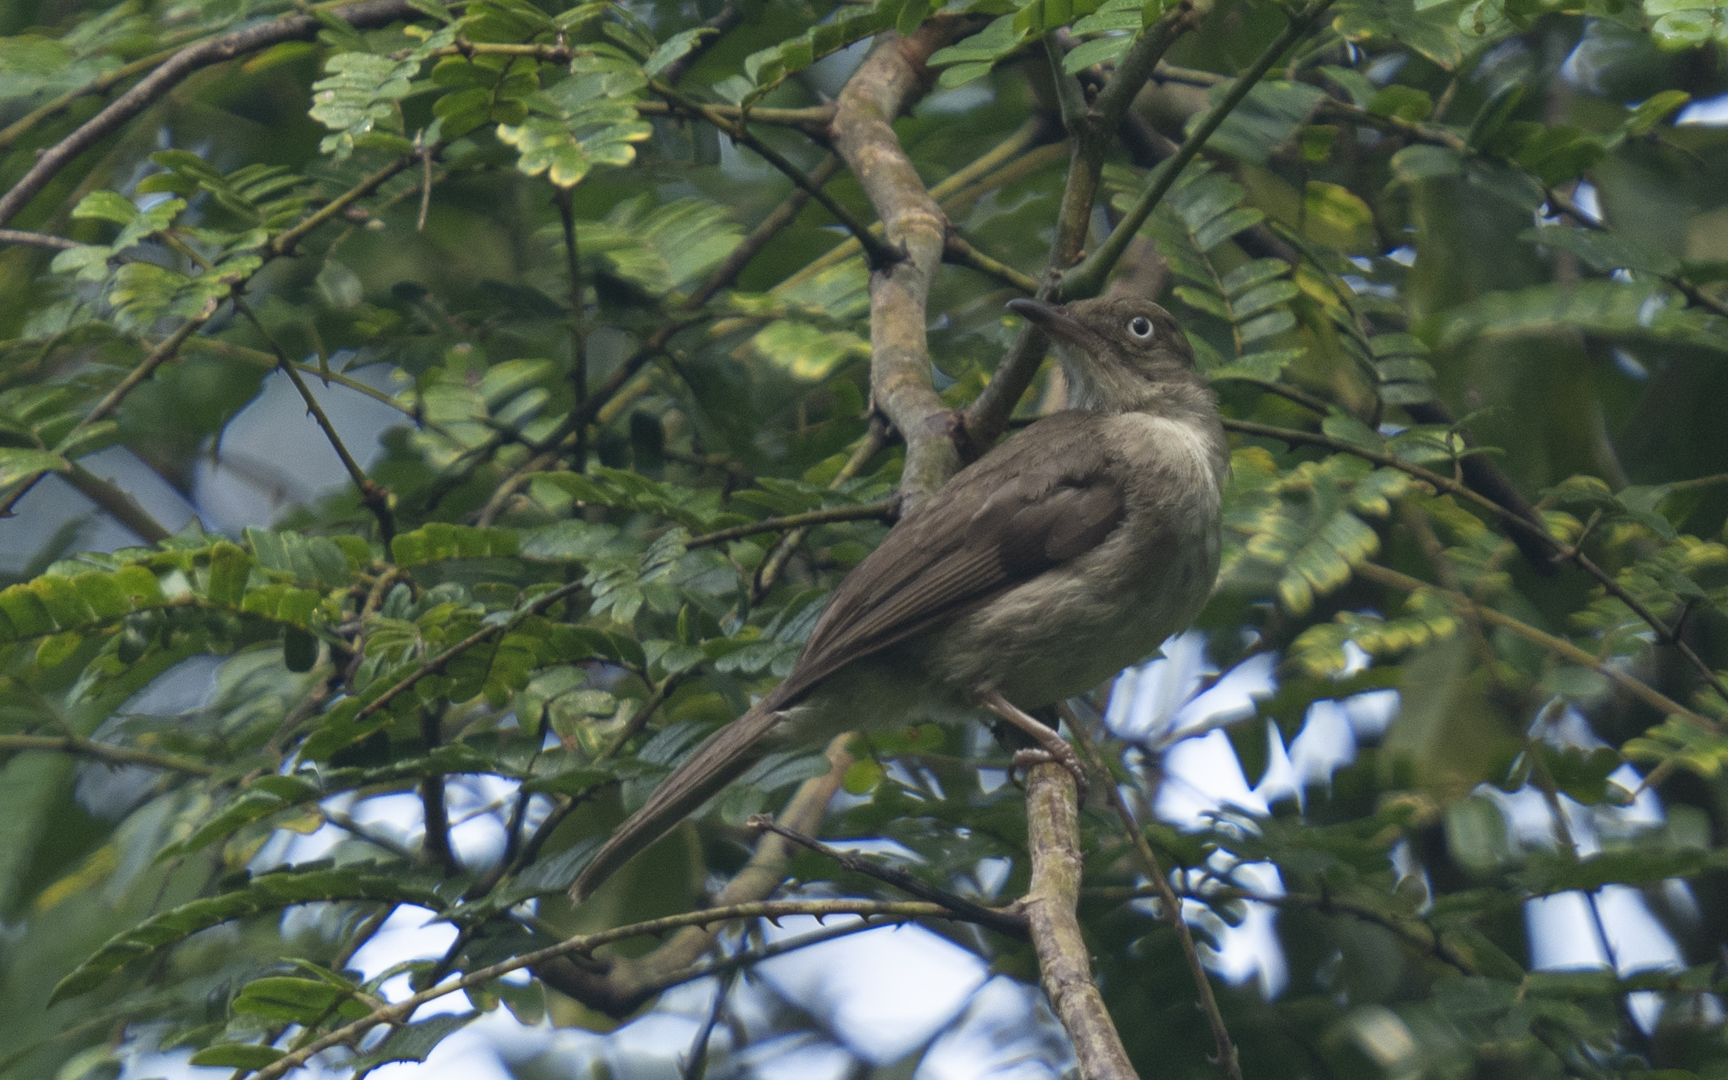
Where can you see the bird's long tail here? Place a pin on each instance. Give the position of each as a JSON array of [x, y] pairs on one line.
[[722, 758]]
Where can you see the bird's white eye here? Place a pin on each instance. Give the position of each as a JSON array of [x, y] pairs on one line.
[[1141, 327]]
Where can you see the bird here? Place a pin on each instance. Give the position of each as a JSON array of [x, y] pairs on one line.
[[1063, 555]]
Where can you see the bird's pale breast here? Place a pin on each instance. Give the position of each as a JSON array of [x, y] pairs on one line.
[[1075, 626]]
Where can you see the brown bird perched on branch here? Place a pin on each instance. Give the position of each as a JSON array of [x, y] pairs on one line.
[[1059, 558]]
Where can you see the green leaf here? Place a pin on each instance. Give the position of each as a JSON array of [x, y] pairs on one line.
[[1610, 309], [767, 68], [106, 206], [1653, 110], [674, 48], [1428, 26], [585, 121], [1107, 50], [313, 560], [17, 463], [437, 542], [285, 999], [265, 894], [1403, 102], [1604, 251], [1414, 164], [237, 1056], [358, 94], [808, 351], [1267, 118], [413, 1042]]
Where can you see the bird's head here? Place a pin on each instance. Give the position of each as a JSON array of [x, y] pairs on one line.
[[1121, 353]]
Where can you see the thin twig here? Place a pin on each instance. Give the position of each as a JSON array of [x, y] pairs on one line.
[[696, 1067], [289, 239], [374, 496], [1452, 487], [578, 317], [158, 356], [1010, 922], [582, 944], [1004, 163], [877, 252], [1092, 132], [1227, 1058], [876, 511], [1414, 931], [629, 981], [296, 27], [435, 847], [1283, 390], [780, 217], [354, 828], [1087, 279], [113, 756], [769, 572], [37, 239], [362, 934], [1609, 584], [1382, 575], [724, 275], [99, 85], [960, 253], [719, 25], [477, 638], [118, 502]]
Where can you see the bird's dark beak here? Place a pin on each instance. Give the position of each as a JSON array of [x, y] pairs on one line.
[[1056, 322]]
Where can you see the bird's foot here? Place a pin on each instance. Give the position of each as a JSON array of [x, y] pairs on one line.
[[1025, 759], [1052, 747]]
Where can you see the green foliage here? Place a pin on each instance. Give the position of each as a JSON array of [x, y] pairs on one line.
[[270, 892], [490, 220]]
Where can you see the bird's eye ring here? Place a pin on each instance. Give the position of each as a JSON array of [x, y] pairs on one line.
[[1140, 327]]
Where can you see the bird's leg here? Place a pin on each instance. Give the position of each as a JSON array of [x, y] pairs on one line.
[[1055, 747]]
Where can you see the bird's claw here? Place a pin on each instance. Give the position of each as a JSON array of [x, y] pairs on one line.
[[1025, 759], [1054, 748]]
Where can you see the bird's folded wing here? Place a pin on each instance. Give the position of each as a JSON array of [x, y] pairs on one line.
[[1045, 497]]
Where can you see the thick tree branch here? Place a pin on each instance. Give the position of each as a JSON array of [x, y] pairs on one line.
[[297, 27], [1064, 961], [891, 77]]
